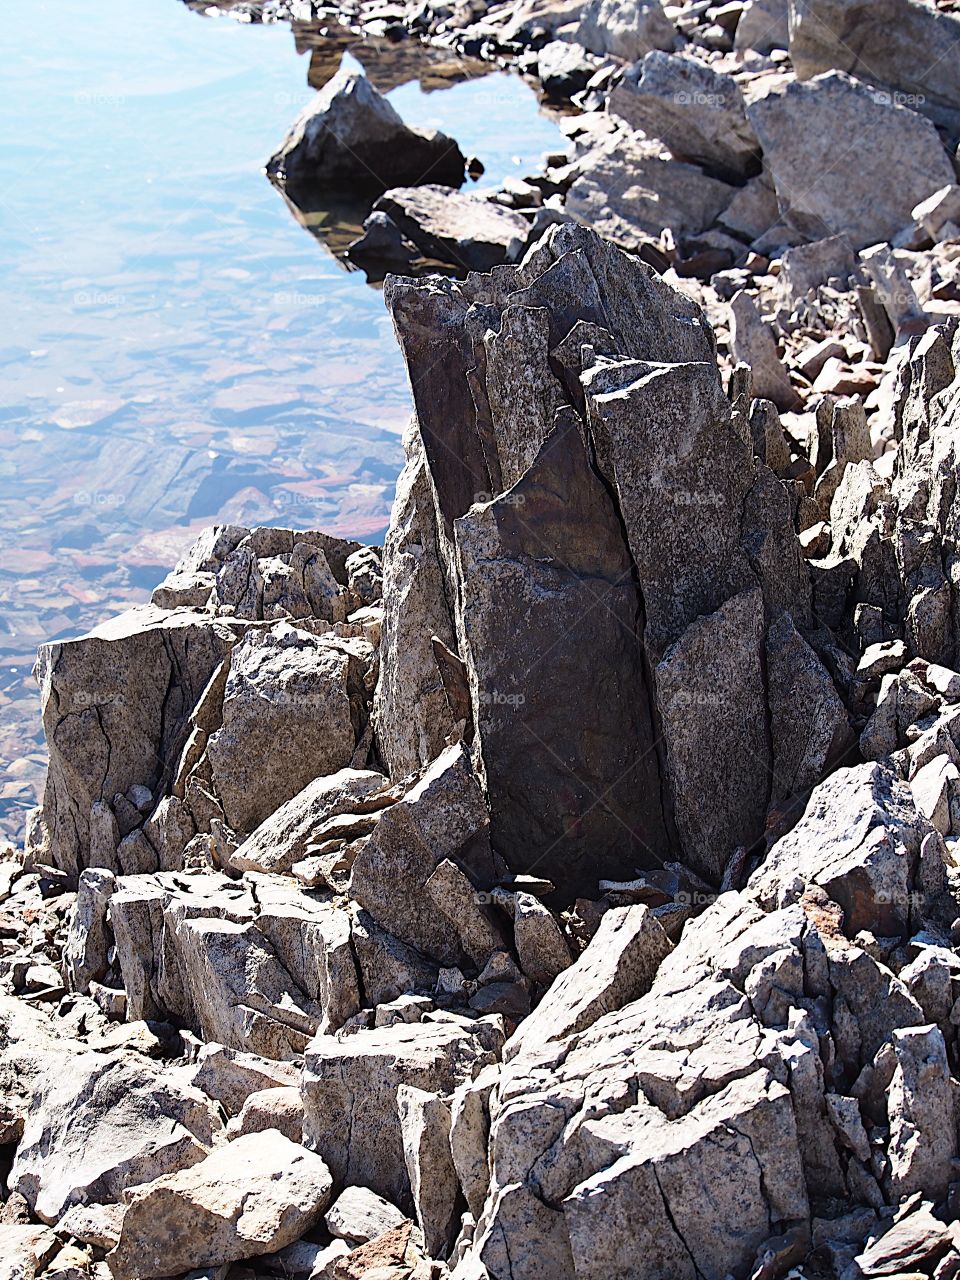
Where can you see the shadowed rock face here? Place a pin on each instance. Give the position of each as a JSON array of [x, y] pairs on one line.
[[610, 555]]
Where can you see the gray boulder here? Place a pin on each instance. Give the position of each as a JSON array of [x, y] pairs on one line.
[[350, 137], [820, 194]]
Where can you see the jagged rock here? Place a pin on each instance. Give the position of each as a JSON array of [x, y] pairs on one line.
[[798, 124], [755, 345], [899, 45], [470, 1133], [467, 231], [923, 1141], [810, 725], [442, 817], [350, 137], [472, 921], [394, 1254], [87, 953], [350, 1091], [425, 1132], [101, 1123], [725, 1087], [628, 30], [389, 968], [252, 1197], [25, 1250], [115, 711], [358, 1215], [713, 673], [287, 719], [286, 835], [540, 943], [617, 967], [697, 111]]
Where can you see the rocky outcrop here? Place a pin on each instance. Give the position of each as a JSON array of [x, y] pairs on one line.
[[578, 544]]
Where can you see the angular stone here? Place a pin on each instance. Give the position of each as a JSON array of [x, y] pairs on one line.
[[631, 194], [464, 230], [280, 1109], [350, 1096], [923, 1137], [442, 817], [358, 1215], [899, 45], [255, 1196], [545, 573], [287, 719], [286, 835], [754, 344], [116, 706], [713, 676], [230, 1076], [617, 967], [540, 943], [87, 952], [425, 1130], [350, 136], [697, 111], [798, 124]]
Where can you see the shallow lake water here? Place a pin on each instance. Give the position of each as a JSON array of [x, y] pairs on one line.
[[175, 348]]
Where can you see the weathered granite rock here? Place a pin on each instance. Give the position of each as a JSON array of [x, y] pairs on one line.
[[349, 136], [87, 953], [628, 29], [764, 25], [797, 125], [252, 1197], [287, 718], [617, 967], [900, 45], [230, 1076], [630, 193], [116, 705], [754, 344], [280, 1109], [350, 1096], [425, 1130], [101, 1123], [678, 1134], [443, 817], [698, 112]]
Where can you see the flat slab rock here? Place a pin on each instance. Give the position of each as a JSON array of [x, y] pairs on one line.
[[464, 230]]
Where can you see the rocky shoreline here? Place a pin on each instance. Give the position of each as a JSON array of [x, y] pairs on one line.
[[570, 887]]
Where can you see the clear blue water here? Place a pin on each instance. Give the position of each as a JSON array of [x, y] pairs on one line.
[[175, 349]]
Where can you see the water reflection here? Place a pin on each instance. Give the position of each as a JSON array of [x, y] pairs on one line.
[[174, 349]]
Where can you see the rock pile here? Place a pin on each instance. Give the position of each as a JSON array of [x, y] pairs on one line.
[[570, 889]]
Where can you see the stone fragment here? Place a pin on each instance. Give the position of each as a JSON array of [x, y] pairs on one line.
[[697, 111], [286, 835], [425, 1131], [897, 45], [618, 966], [466, 231], [255, 1196], [280, 1109], [350, 1096], [540, 943], [230, 1076], [87, 952], [754, 345], [923, 1138]]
